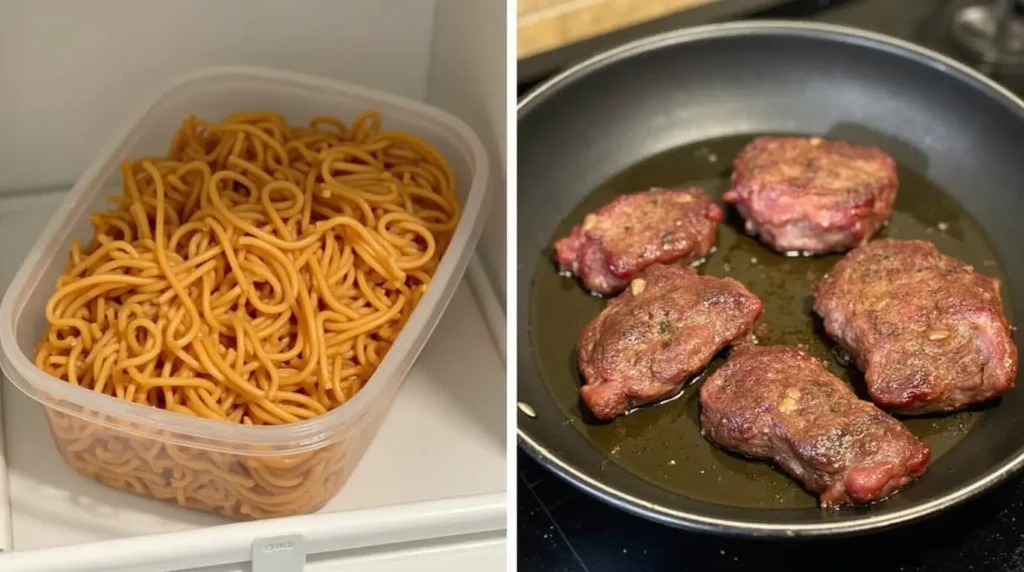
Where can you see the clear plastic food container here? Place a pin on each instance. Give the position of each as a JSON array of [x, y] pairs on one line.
[[239, 471]]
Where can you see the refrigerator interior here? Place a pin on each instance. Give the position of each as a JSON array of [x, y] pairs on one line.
[[431, 487]]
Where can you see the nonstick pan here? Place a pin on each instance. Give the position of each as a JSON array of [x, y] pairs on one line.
[[673, 110]]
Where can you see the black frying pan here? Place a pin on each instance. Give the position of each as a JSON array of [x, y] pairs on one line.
[[673, 110]]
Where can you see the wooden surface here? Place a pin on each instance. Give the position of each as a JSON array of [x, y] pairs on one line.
[[545, 25]]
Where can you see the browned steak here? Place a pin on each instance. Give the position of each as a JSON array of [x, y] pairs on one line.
[[926, 329], [780, 404], [664, 328], [636, 230], [811, 194]]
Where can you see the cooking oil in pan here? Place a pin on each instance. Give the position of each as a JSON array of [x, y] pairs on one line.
[[663, 443]]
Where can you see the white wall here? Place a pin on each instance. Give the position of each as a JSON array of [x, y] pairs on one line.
[[468, 79], [71, 69]]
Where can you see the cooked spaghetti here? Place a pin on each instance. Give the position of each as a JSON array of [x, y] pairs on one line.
[[257, 274]]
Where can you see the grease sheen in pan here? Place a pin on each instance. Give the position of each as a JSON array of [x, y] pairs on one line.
[[662, 443]]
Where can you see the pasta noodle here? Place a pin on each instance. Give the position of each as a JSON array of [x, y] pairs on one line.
[[257, 274]]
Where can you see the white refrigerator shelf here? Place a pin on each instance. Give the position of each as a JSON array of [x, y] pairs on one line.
[[430, 490]]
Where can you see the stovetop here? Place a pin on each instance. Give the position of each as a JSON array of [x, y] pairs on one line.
[[563, 530]]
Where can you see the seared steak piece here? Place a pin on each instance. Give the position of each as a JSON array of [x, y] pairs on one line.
[[636, 230], [811, 194], [780, 404], [926, 329], [664, 328]]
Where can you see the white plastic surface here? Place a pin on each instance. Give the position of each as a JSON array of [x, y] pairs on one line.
[[81, 65], [21, 217], [467, 78], [449, 414]]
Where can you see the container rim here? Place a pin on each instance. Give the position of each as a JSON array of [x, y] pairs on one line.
[[215, 435]]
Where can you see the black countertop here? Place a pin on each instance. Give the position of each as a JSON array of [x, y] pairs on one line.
[[564, 530]]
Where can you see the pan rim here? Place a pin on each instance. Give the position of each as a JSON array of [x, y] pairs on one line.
[[731, 526]]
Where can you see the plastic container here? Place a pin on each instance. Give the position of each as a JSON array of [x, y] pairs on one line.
[[239, 471]]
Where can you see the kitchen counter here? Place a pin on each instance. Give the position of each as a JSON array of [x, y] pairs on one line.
[[550, 24], [553, 34], [564, 530]]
